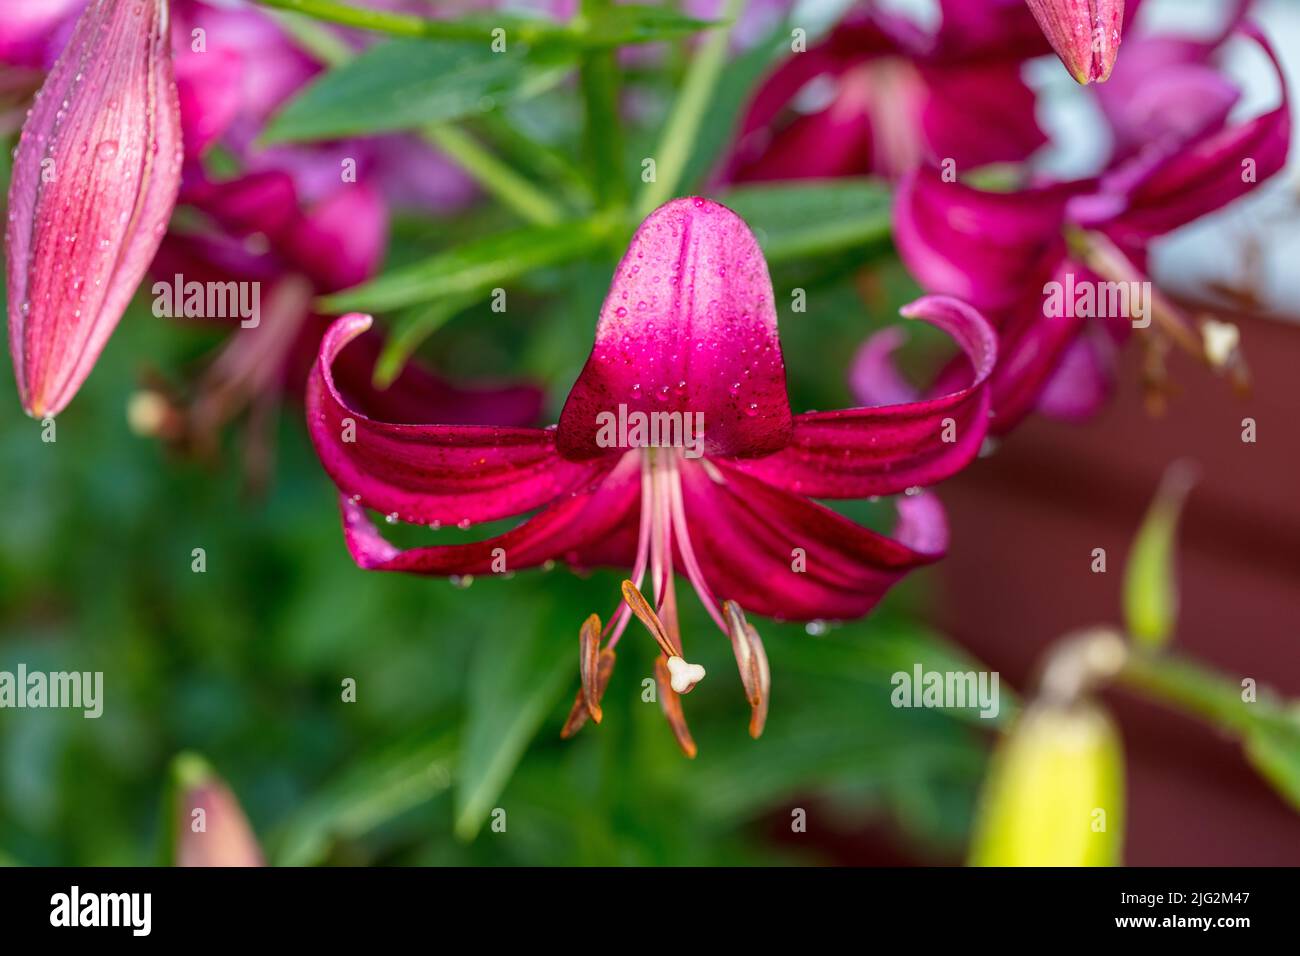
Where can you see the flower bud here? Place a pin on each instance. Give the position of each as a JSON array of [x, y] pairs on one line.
[[1084, 33], [211, 829], [1055, 792], [95, 179]]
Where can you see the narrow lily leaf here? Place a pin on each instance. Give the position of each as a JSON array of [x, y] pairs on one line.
[[618, 26], [406, 84], [1274, 749], [1055, 792], [1150, 580], [409, 331], [735, 87], [374, 791], [472, 268], [518, 678], [814, 218]]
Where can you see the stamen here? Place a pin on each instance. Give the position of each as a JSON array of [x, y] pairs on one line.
[[682, 535], [751, 659], [646, 615], [624, 613], [588, 656], [595, 666]]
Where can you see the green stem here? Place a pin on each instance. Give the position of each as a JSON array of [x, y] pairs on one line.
[[678, 136], [603, 127], [1198, 690], [494, 175], [407, 25]]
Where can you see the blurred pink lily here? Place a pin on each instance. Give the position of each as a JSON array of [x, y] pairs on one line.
[[95, 178], [293, 227], [688, 332], [1008, 252], [1084, 33], [258, 232], [880, 95]]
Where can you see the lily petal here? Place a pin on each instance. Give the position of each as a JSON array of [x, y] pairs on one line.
[[689, 326], [1205, 174], [560, 532], [749, 554], [430, 473], [981, 247], [858, 452], [95, 179]]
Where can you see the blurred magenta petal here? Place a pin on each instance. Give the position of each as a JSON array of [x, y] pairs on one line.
[[874, 379], [340, 242], [982, 247], [1204, 174], [881, 95], [1082, 381], [689, 326], [32, 29], [95, 178], [211, 95], [1084, 33], [998, 250]]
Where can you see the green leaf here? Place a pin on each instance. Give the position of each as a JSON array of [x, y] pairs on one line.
[[1274, 749], [408, 333], [374, 791], [473, 268], [516, 680], [637, 23], [406, 84], [634, 23], [1150, 581], [816, 217], [735, 87]]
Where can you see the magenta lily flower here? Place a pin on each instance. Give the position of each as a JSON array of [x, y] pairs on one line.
[[95, 178], [1084, 33], [1007, 253], [880, 95], [687, 339]]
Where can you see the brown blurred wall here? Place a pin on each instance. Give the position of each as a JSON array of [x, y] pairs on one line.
[[1025, 522]]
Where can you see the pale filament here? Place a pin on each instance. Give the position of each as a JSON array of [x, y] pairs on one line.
[[663, 524]]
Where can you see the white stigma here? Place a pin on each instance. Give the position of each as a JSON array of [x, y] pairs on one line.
[[1221, 340], [682, 675]]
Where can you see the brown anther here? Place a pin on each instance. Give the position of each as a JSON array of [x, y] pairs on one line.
[[588, 655], [580, 711], [751, 660], [671, 703], [646, 615]]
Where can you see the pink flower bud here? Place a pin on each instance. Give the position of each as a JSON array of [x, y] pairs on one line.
[[211, 829], [1084, 33], [95, 179]]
